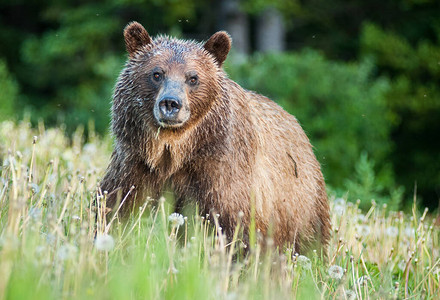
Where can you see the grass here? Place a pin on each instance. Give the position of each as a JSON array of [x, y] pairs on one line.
[[48, 250]]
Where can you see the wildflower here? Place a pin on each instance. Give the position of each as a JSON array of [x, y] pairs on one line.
[[104, 242], [363, 280], [340, 201], [34, 188], [335, 272], [304, 262], [176, 219], [363, 230], [35, 213], [409, 231], [76, 217], [339, 206], [173, 270], [392, 231], [339, 210], [350, 295], [66, 252], [50, 239], [402, 265], [359, 218]]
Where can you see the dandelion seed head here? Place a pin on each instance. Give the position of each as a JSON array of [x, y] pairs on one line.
[[335, 272], [363, 280], [350, 295], [304, 262], [363, 230], [401, 265], [50, 239], [35, 213], [359, 218], [67, 252], [176, 219], [409, 231], [104, 242], [392, 231], [339, 210], [340, 201]]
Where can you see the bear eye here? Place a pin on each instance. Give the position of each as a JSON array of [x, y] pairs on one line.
[[193, 80], [157, 76]]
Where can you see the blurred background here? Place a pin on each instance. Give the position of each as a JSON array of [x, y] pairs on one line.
[[362, 76]]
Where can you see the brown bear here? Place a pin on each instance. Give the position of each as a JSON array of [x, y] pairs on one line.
[[179, 121]]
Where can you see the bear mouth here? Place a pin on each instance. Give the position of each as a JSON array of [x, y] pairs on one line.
[[164, 123]]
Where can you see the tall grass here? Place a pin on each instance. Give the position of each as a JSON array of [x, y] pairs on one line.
[[48, 248]]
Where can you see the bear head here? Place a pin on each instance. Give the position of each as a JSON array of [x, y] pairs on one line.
[[167, 83]]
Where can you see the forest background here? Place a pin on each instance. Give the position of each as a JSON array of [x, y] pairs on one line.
[[362, 77]]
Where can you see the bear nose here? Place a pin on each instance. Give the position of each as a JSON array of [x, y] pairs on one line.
[[169, 107]]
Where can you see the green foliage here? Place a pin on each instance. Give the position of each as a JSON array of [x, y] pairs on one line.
[[8, 94], [341, 106], [414, 98], [365, 186]]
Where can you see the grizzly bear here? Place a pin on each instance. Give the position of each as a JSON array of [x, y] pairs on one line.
[[180, 122]]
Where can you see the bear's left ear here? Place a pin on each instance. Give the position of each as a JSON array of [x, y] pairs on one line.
[[135, 37], [219, 45]]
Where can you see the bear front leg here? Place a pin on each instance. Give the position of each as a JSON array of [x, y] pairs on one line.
[[124, 180]]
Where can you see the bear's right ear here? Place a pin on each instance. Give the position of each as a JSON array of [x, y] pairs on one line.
[[135, 37], [219, 45]]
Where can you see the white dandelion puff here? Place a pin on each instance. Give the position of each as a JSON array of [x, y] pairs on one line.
[[359, 218], [402, 265], [350, 295], [176, 219], [76, 217], [104, 242], [335, 272], [363, 230], [363, 280], [339, 210], [409, 231], [66, 252], [392, 231], [304, 262], [340, 201], [35, 213], [173, 270]]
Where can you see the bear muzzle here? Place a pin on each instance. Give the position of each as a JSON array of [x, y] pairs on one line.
[[170, 112], [169, 107]]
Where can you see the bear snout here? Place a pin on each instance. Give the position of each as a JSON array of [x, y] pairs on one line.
[[169, 107], [170, 111]]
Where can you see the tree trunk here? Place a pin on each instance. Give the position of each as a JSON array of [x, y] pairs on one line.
[[235, 22], [270, 31]]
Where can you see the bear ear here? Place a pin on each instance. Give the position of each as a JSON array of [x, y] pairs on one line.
[[135, 37], [219, 45]]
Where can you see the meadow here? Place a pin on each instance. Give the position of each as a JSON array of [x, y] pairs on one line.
[[48, 248]]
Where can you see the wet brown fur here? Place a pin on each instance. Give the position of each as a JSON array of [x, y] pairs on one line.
[[237, 146]]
